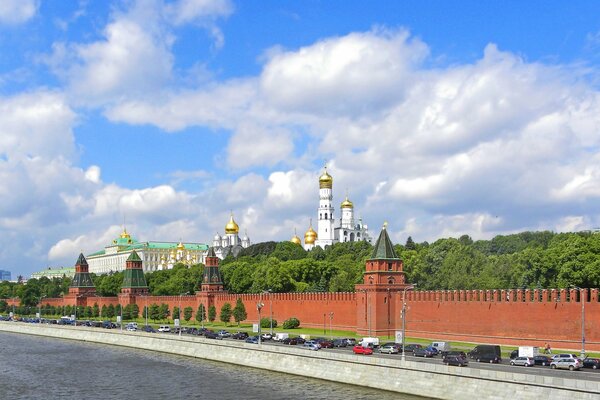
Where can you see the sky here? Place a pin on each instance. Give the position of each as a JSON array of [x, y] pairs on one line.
[[439, 118]]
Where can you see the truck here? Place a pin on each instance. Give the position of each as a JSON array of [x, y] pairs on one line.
[[280, 336], [442, 347], [528, 351], [371, 342]]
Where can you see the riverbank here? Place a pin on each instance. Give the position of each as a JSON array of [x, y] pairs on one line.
[[431, 380]]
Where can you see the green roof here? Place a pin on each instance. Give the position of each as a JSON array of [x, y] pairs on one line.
[[81, 260], [134, 278], [134, 256], [82, 280], [384, 249]]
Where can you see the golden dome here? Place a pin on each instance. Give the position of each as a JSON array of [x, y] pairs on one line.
[[180, 246], [325, 180], [296, 239], [125, 235], [231, 226], [310, 236], [347, 203]]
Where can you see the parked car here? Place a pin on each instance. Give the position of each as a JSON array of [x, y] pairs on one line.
[[593, 363], [514, 354], [358, 349], [456, 353], [240, 335], [266, 336], [410, 348], [300, 340], [350, 341], [389, 348], [148, 328], [252, 339], [488, 357], [542, 360], [311, 345], [309, 342], [523, 361], [290, 341], [454, 359], [566, 363], [325, 344], [108, 325], [164, 328], [223, 333], [564, 355], [212, 335], [423, 352], [340, 343]]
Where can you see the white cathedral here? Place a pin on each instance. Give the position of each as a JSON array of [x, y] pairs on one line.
[[330, 231]]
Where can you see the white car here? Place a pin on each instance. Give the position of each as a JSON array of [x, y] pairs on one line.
[[131, 328], [524, 361], [164, 328]]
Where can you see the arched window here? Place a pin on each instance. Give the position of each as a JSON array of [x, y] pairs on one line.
[[391, 280], [325, 215]]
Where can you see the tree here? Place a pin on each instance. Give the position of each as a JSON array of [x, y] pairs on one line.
[[176, 313], [110, 311], [225, 316], [212, 313], [410, 244], [291, 323], [88, 312], [154, 311], [187, 313], [95, 311], [201, 313], [239, 311], [104, 311], [266, 322], [135, 311], [163, 311]]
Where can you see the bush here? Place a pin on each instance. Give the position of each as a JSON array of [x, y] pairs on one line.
[[291, 323], [266, 323]]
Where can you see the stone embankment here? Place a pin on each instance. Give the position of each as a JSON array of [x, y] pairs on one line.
[[423, 379]]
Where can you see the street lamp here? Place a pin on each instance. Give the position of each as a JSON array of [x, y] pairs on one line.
[[324, 328], [410, 287], [259, 306], [40, 308], [179, 310], [270, 292], [330, 324], [582, 300]]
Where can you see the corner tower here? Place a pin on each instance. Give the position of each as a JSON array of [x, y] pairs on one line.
[[377, 298], [325, 227], [134, 281]]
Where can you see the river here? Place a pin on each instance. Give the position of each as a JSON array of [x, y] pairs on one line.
[[48, 368]]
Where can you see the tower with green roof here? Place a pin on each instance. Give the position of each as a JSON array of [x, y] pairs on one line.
[[379, 297], [211, 281], [82, 284], [134, 281]]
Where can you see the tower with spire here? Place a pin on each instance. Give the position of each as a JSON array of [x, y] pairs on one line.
[[82, 284], [379, 295], [134, 281], [211, 281], [325, 232]]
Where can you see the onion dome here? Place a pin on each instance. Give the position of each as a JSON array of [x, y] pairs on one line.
[[180, 246], [310, 236], [232, 227], [347, 203], [245, 238], [217, 237], [325, 180], [296, 239], [125, 235]]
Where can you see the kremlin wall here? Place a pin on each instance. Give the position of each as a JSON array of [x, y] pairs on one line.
[[512, 317]]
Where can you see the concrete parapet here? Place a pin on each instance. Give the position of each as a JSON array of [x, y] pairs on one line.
[[403, 377]]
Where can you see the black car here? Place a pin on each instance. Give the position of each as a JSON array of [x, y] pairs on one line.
[[489, 358], [292, 341], [593, 363], [212, 335], [458, 360], [542, 360], [410, 348], [300, 340], [456, 353], [340, 343], [423, 352], [239, 336], [514, 354], [149, 329]]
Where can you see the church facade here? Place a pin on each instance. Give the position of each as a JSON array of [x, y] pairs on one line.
[[329, 229]]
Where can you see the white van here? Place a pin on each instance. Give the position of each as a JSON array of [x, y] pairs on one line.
[[371, 342], [132, 326], [164, 328], [442, 347]]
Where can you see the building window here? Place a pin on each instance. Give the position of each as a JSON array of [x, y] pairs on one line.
[[390, 266]]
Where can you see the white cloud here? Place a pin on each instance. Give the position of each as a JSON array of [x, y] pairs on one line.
[[13, 12], [186, 11], [259, 145]]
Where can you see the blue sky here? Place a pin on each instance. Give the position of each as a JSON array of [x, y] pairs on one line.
[[443, 119]]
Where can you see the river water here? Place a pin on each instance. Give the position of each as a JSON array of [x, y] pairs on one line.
[[47, 368]]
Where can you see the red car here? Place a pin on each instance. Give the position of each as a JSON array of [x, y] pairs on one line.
[[362, 350]]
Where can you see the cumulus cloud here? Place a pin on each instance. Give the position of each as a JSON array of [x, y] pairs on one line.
[[13, 12]]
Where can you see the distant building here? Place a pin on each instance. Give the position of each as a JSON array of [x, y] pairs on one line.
[[4, 275], [57, 272]]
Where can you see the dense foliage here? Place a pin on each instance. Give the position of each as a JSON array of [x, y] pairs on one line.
[[528, 259]]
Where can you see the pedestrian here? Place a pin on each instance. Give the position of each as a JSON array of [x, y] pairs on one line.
[[547, 348]]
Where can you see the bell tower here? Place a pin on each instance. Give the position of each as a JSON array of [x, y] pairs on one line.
[[377, 298]]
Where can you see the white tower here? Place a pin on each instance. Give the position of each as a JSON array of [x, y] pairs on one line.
[[347, 214], [326, 234]]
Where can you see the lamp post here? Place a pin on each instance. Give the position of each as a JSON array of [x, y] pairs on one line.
[[40, 308], [179, 311], [331, 324], [582, 300], [259, 306], [269, 291], [324, 328], [410, 287]]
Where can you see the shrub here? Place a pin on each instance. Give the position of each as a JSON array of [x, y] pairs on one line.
[[291, 323], [266, 323]]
